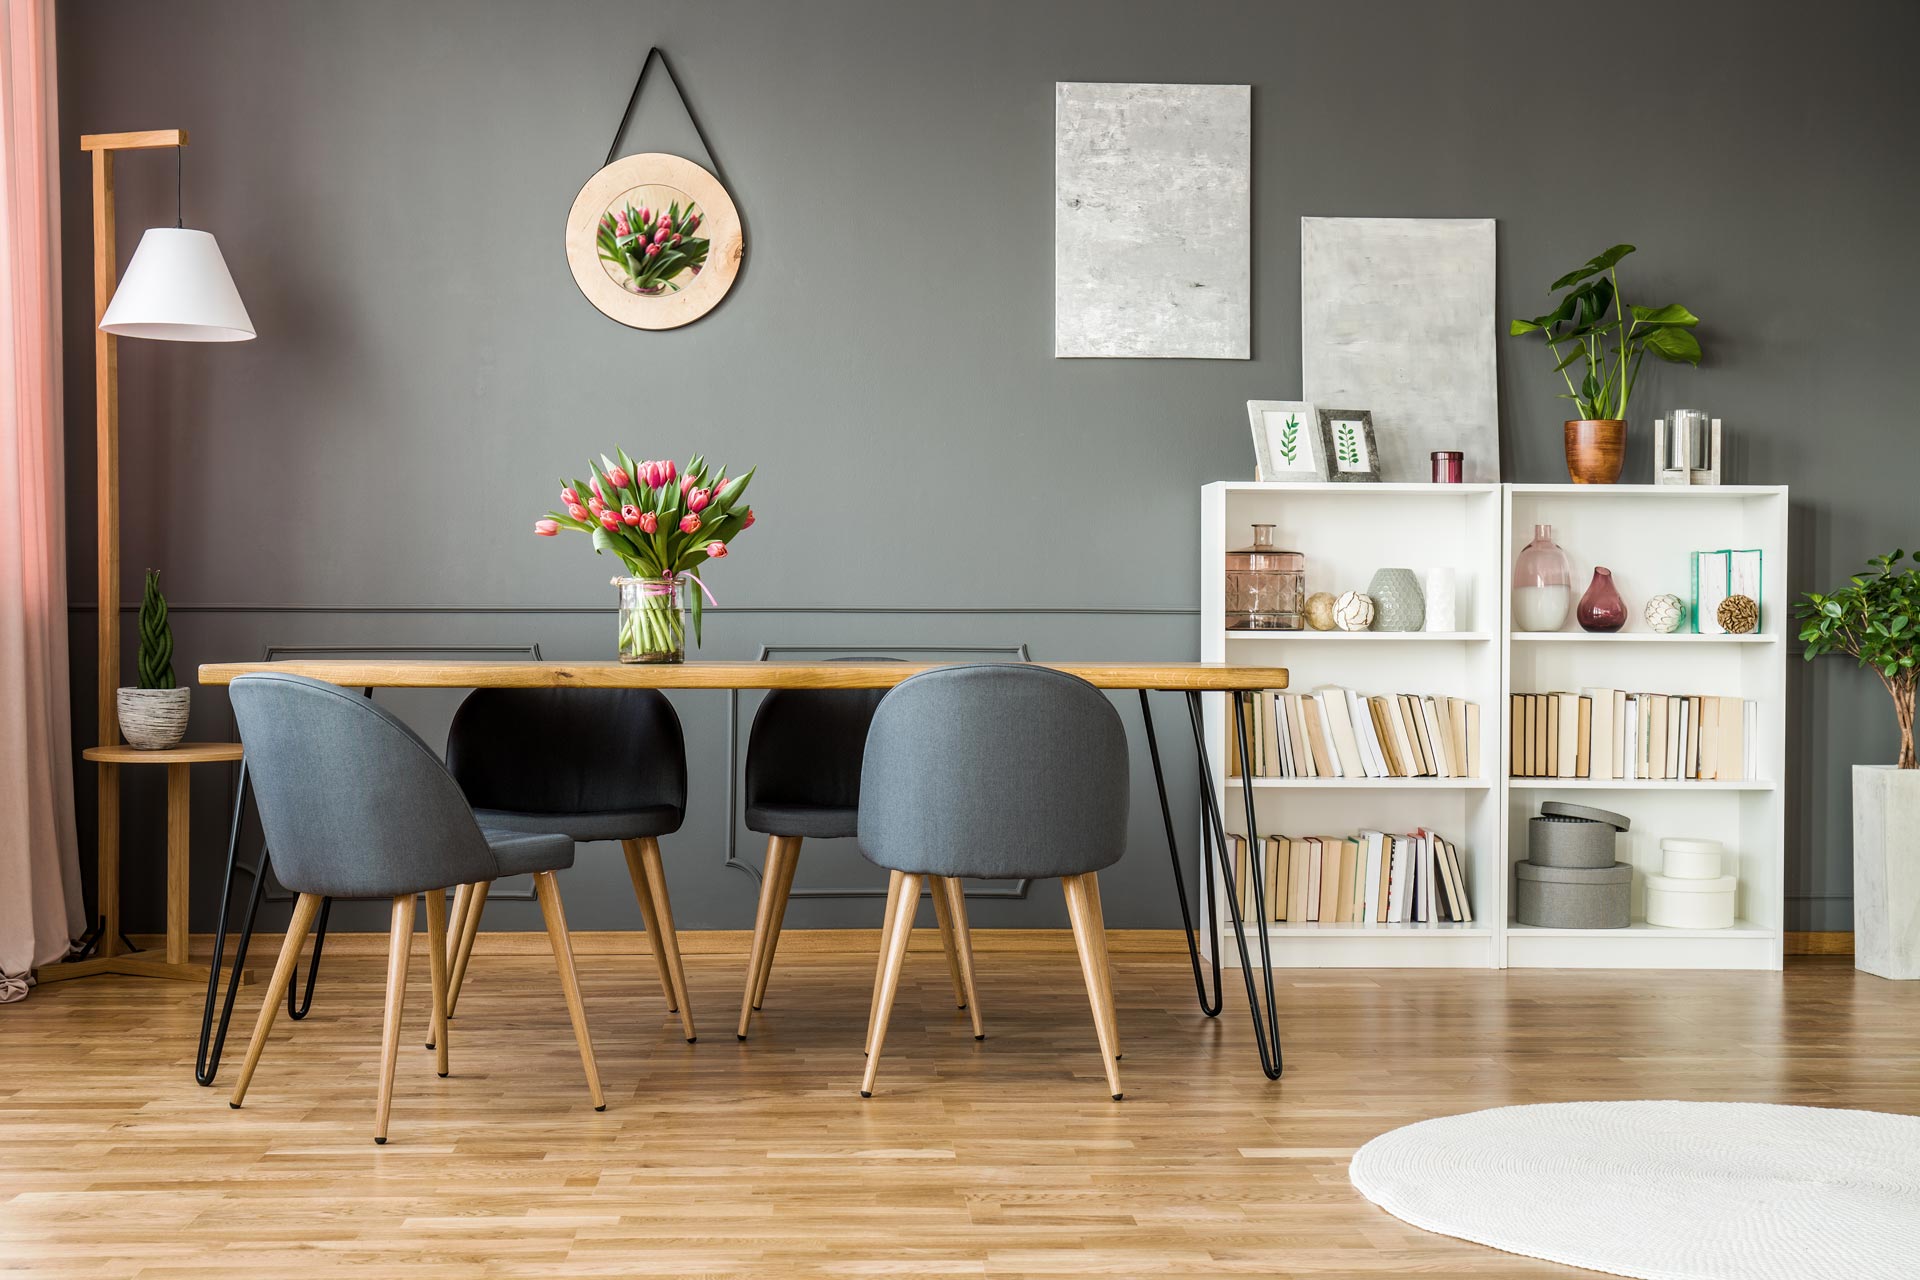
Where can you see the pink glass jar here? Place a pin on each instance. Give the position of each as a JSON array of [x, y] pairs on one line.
[[1602, 609], [1449, 465], [1266, 586], [1542, 584]]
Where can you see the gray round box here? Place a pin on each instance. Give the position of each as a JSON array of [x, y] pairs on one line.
[[1573, 897], [1569, 842]]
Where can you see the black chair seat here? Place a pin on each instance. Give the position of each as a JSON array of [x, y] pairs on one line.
[[815, 821], [521, 852], [607, 824]]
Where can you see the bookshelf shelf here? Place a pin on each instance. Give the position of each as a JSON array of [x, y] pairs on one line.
[[1634, 637], [1635, 784], [1365, 637], [1364, 784], [1643, 533]]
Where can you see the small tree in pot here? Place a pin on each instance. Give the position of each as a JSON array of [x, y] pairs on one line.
[[1612, 348], [153, 715], [1875, 619]]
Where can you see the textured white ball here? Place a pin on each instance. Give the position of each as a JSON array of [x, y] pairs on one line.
[[1663, 613], [1353, 611]]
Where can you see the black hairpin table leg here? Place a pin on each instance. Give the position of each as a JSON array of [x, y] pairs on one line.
[[1209, 1004], [1266, 1019]]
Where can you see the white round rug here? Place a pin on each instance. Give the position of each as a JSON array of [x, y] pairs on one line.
[[1665, 1190]]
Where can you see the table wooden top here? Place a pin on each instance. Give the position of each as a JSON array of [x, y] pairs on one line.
[[435, 674], [185, 753]]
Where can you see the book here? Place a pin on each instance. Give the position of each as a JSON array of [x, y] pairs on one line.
[[1551, 766], [1473, 740], [1600, 754], [1360, 713], [1457, 736], [1733, 723], [1417, 730], [1517, 765], [1269, 740], [1540, 761], [1329, 884], [1423, 877], [1316, 854], [1712, 573], [1430, 721], [1237, 843], [1346, 746], [1407, 726], [1298, 854], [1676, 706], [1276, 873], [1566, 751], [1462, 909], [1389, 746], [1399, 871], [1297, 734]]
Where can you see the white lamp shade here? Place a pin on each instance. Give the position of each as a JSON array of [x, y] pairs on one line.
[[177, 288]]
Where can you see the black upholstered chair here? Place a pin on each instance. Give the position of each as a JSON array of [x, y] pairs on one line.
[[589, 764], [995, 772], [803, 780], [354, 805]]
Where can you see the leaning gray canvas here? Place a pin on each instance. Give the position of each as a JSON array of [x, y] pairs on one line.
[[1397, 316], [1151, 220]]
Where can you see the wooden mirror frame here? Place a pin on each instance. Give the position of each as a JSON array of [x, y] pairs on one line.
[[720, 220]]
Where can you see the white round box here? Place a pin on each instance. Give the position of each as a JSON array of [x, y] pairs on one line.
[[1683, 859], [1674, 903]]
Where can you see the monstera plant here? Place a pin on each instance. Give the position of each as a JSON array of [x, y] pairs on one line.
[[1595, 332]]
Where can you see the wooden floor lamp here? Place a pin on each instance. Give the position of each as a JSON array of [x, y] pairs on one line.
[[177, 288]]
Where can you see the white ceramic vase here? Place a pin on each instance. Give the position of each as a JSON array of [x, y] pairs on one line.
[[153, 719], [1886, 870]]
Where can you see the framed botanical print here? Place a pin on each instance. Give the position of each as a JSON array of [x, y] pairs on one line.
[[1346, 441], [1286, 443]]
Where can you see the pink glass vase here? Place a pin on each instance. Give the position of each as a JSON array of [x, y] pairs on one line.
[[1542, 584], [1602, 609]]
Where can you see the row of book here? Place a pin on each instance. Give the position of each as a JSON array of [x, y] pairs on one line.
[[1338, 733], [1609, 733], [1419, 878]]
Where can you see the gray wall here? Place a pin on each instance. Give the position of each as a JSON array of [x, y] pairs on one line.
[[388, 181]]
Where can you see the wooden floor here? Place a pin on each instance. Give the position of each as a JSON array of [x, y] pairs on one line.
[[1000, 1158]]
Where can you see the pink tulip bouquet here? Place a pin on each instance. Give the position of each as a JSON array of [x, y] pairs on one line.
[[663, 522], [652, 248]]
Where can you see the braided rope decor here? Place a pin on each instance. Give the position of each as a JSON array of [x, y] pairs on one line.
[[156, 637], [1664, 1190]]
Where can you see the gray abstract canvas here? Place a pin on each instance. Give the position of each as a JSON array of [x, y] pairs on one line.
[[1151, 220], [1397, 316]]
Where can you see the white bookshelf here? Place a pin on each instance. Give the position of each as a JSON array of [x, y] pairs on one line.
[[1346, 532], [1644, 534]]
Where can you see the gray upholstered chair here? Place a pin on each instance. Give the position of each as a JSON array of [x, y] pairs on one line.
[[995, 772], [588, 764], [803, 780], [355, 805]]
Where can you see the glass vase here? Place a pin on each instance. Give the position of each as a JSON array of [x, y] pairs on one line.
[[653, 621], [1542, 584], [1266, 586], [1602, 609]]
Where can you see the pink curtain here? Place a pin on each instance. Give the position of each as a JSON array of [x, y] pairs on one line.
[[40, 906]]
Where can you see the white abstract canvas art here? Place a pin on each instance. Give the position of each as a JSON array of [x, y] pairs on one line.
[[1397, 316], [1151, 221]]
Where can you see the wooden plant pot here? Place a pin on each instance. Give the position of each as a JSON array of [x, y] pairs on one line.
[[1596, 450]]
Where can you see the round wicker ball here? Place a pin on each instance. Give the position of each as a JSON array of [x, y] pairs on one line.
[[1738, 615], [1353, 611], [1663, 613], [1320, 611]]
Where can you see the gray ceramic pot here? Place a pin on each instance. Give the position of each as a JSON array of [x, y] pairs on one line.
[[1398, 604], [153, 719]]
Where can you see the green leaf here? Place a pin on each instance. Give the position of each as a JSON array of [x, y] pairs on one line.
[[1675, 345], [1671, 314], [1594, 267], [1519, 327]]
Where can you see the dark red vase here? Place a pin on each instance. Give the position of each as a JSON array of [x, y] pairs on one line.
[[1602, 609]]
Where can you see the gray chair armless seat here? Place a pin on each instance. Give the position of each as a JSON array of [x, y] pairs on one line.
[[355, 805], [589, 764], [995, 772], [803, 779]]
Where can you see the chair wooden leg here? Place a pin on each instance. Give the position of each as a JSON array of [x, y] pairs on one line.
[[305, 911], [943, 917], [1088, 927], [463, 937], [1106, 961], [437, 974], [788, 866], [894, 879], [399, 945], [959, 940], [547, 889], [898, 936], [656, 912], [762, 919]]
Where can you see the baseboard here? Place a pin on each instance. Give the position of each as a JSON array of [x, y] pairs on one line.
[[1835, 943], [711, 942]]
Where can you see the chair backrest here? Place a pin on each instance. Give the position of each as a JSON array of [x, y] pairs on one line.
[[806, 745], [995, 771], [568, 751], [353, 803]]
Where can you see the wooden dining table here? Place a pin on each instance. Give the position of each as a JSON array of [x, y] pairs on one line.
[[1191, 679]]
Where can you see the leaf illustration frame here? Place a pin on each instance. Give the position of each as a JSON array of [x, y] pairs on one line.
[[1346, 444], [1286, 441], [720, 223]]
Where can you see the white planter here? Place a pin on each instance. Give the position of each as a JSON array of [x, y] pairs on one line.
[[1886, 870], [153, 719]]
